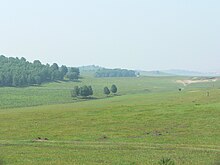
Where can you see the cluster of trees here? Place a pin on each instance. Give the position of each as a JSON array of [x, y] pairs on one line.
[[86, 91], [113, 89], [83, 91], [73, 73], [115, 73], [19, 72]]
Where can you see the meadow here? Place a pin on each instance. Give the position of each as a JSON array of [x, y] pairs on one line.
[[149, 119], [59, 92]]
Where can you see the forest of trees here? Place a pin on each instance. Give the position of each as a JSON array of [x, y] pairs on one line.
[[19, 72], [115, 73]]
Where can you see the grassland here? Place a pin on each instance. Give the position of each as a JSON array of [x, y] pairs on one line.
[[150, 119], [59, 92]]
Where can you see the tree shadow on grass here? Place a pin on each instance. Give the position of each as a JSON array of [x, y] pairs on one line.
[[84, 98], [88, 98]]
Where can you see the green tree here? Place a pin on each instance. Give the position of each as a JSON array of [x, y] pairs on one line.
[[54, 66], [55, 73], [73, 73], [37, 80], [72, 76], [37, 62], [74, 69], [75, 91], [15, 80], [106, 91], [19, 72], [114, 89], [63, 70], [84, 91], [23, 59], [90, 90]]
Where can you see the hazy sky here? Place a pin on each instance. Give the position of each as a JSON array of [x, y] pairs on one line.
[[135, 34]]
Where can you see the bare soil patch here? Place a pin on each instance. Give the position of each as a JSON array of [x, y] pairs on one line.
[[196, 80], [39, 139]]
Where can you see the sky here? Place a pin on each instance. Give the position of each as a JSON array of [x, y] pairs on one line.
[[133, 34]]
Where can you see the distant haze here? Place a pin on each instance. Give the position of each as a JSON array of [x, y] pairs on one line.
[[133, 34]]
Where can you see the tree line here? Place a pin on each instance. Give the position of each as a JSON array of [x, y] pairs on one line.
[[115, 73], [19, 72]]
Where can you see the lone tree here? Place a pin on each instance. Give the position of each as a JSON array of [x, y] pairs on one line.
[[114, 89], [106, 91]]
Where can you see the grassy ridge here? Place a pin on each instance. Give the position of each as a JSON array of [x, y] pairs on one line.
[[59, 92], [129, 129], [54, 93]]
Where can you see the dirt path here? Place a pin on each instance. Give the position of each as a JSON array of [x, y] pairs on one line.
[[188, 82]]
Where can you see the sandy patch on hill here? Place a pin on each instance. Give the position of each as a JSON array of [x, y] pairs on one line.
[[191, 81]]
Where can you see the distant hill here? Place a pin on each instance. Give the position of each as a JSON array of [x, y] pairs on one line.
[[189, 73], [90, 68], [115, 73], [98, 71], [154, 73]]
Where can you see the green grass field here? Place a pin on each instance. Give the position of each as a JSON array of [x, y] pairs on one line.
[[59, 92], [148, 120]]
